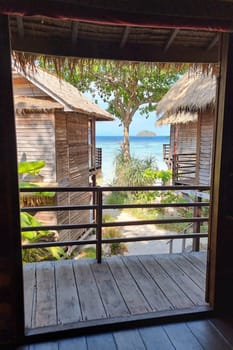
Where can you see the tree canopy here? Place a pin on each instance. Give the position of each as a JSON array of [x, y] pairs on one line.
[[126, 88]]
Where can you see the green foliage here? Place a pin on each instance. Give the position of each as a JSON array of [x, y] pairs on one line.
[[32, 168], [130, 172], [87, 253], [28, 220], [116, 198], [152, 175], [113, 232], [172, 197], [107, 217], [115, 248], [37, 254]]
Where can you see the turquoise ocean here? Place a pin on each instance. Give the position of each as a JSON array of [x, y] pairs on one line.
[[140, 147]]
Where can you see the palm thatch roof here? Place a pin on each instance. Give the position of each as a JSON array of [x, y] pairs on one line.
[[59, 95], [193, 92]]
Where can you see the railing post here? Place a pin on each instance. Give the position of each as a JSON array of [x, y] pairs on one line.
[[99, 225], [174, 169], [171, 246], [196, 225]]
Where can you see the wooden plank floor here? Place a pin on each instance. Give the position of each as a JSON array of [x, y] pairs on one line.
[[209, 334], [64, 292]]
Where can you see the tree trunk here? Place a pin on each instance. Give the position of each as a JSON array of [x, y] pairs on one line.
[[125, 146]]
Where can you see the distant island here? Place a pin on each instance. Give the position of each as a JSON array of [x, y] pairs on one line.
[[146, 133]]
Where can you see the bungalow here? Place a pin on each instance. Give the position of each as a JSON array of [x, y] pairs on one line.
[[189, 107], [56, 123]]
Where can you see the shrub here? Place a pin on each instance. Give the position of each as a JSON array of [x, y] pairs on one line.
[[115, 248], [33, 236], [130, 172], [87, 253]]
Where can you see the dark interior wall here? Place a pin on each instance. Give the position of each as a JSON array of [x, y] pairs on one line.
[[11, 299]]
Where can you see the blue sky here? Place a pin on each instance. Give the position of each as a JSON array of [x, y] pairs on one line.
[[139, 123]]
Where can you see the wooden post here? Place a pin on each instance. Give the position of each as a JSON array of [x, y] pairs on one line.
[[11, 282], [196, 226], [99, 227], [220, 274]]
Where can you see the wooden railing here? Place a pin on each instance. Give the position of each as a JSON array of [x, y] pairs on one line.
[[98, 158], [99, 208], [95, 162], [184, 168], [166, 151]]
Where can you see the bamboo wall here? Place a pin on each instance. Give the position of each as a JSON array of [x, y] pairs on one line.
[[196, 137], [36, 141], [71, 134], [206, 147], [187, 136]]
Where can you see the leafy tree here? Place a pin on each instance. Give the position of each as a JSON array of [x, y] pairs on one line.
[[126, 87]]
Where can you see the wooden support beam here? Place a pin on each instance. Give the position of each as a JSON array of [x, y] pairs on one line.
[[213, 42], [202, 14], [75, 26], [110, 50], [171, 39], [19, 21], [124, 37], [220, 274], [11, 285]]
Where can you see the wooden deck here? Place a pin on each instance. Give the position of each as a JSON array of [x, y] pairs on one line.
[[208, 334], [82, 291]]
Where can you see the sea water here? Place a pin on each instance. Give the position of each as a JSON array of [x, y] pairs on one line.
[[141, 147]]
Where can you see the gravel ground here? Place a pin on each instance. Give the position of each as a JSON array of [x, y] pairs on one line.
[[147, 247]]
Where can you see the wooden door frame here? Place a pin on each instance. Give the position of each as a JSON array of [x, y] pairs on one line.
[[220, 257], [11, 275]]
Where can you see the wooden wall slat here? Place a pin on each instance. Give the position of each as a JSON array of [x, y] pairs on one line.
[[35, 143], [71, 131], [206, 146]]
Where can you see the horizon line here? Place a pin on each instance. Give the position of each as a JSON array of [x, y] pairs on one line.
[[136, 135]]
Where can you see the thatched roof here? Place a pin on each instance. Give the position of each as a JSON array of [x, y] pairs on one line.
[[59, 95], [190, 94], [179, 118]]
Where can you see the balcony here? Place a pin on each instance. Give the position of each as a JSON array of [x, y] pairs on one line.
[[83, 293], [95, 161], [92, 293], [184, 168]]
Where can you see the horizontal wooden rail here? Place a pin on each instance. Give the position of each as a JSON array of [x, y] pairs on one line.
[[99, 208], [58, 207], [183, 167], [114, 188], [156, 205], [115, 240], [56, 227], [114, 206], [151, 222]]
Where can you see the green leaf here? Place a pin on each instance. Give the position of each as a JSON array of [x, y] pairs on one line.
[[29, 235], [32, 168], [28, 220], [57, 252]]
